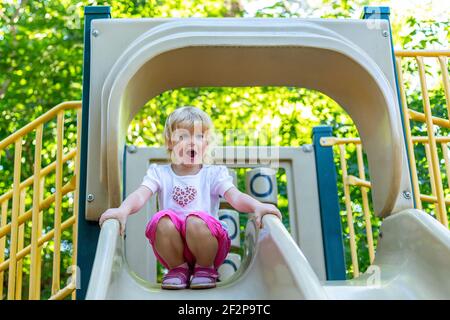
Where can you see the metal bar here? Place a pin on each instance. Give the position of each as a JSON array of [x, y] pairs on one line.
[[38, 121], [75, 202], [420, 139], [4, 216], [422, 53], [14, 220], [19, 271], [58, 201], [61, 294], [430, 169], [432, 199], [45, 171], [355, 181], [419, 116], [349, 212], [441, 209], [47, 237], [331, 141], [445, 150], [37, 192], [432, 178], [39, 256], [74, 279], [365, 201], [409, 143], [445, 82], [68, 187]]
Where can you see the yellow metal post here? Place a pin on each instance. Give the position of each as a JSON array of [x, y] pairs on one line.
[[365, 201], [20, 241], [348, 207], [58, 200], [409, 142], [14, 220], [39, 255], [4, 216], [35, 224], [430, 172], [75, 204], [441, 211], [445, 82], [445, 150]]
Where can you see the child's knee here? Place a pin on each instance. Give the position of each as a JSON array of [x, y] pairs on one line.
[[165, 226], [196, 227]]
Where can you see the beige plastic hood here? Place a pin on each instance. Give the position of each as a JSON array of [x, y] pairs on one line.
[[133, 61]]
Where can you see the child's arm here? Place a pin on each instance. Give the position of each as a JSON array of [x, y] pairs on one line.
[[132, 204], [244, 203]]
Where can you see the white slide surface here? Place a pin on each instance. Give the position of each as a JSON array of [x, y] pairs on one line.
[[412, 261]]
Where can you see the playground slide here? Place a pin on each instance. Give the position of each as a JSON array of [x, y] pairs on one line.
[[273, 267], [413, 256], [411, 262]]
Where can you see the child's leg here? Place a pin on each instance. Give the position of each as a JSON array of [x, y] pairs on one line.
[[163, 231], [169, 243], [207, 241], [208, 244], [201, 241]]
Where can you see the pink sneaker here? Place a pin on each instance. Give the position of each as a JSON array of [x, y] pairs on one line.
[[204, 278], [176, 278]]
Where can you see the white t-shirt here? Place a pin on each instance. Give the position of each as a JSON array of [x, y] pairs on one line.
[[184, 194]]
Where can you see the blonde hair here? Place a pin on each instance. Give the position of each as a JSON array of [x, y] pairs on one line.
[[187, 117]]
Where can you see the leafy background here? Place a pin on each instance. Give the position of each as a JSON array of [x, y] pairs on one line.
[[41, 47]]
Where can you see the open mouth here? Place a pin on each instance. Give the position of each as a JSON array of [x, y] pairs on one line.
[[192, 154]]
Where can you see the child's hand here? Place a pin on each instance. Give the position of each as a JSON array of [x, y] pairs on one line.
[[115, 213], [263, 209]]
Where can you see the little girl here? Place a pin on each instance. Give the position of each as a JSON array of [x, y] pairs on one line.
[[186, 235]]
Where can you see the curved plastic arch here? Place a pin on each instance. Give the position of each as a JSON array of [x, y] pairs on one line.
[[230, 53]]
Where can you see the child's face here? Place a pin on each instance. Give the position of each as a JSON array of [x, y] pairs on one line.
[[188, 145]]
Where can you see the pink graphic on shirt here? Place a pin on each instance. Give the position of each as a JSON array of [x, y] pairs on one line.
[[183, 196]]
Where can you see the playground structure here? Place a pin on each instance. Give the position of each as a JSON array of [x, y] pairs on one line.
[[351, 63]]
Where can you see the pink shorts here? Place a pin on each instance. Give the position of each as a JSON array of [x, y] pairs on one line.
[[179, 221]]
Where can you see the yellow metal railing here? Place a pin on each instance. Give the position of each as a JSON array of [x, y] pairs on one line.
[[12, 230], [429, 142]]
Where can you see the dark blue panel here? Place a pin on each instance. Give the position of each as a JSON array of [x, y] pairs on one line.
[[88, 231], [329, 206]]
